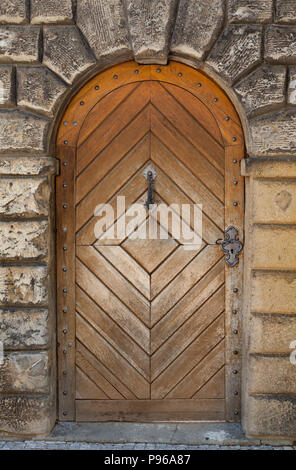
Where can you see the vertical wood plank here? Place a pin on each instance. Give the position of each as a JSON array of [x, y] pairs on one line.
[[65, 215]]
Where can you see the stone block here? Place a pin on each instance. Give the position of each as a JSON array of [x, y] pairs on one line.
[[104, 25], [292, 86], [271, 334], [6, 86], [250, 11], [271, 375], [24, 197], [19, 44], [51, 11], [262, 89], [280, 44], [273, 292], [237, 50], [271, 417], [27, 415], [24, 329], [13, 12], [150, 26], [274, 134], [22, 132], [274, 247], [39, 89], [197, 27], [274, 202], [28, 166], [285, 11], [24, 285], [25, 372], [65, 52], [24, 240]]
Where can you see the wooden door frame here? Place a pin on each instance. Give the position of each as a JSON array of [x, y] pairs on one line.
[[210, 94]]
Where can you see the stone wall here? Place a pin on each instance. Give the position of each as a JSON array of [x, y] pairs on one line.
[[48, 48]]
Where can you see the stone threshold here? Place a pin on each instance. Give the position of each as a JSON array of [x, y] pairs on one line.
[[179, 434]]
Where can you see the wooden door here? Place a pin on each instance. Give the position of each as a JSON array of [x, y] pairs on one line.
[[155, 333]]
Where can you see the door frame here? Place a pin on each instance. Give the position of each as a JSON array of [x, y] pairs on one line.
[[231, 130]]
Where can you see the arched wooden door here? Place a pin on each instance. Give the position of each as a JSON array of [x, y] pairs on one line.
[[148, 329]]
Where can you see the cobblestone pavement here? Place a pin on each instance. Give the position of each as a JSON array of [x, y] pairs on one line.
[[45, 445]]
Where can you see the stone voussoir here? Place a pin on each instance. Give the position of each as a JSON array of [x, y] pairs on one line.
[[24, 328], [285, 11], [24, 285], [197, 27], [13, 12], [273, 292], [19, 44], [280, 44], [28, 166], [250, 11], [24, 240], [275, 247], [51, 11], [39, 89], [26, 415], [262, 89], [272, 334], [25, 372], [65, 52], [292, 86], [150, 25], [237, 50], [274, 134], [27, 197], [21, 131], [104, 25], [6, 86], [271, 375]]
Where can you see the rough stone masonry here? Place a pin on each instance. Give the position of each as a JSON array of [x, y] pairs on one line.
[[48, 49]]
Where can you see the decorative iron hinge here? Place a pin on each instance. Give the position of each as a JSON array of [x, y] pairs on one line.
[[231, 246], [150, 175]]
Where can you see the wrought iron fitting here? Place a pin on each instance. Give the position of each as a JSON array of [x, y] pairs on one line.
[[150, 175], [231, 246]]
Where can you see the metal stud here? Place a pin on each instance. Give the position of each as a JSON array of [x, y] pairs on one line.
[[199, 85], [81, 103], [65, 206], [75, 123], [137, 71], [234, 160], [64, 372], [235, 182], [158, 70], [227, 118], [235, 412], [235, 393], [215, 100], [234, 311], [65, 413], [235, 352], [65, 310], [65, 163], [65, 123], [234, 371], [66, 142], [115, 77], [235, 203], [65, 290], [64, 269], [235, 290], [233, 139], [180, 74], [65, 248], [64, 229], [65, 393], [235, 332], [65, 351], [69, 344], [65, 331], [97, 87], [65, 185]]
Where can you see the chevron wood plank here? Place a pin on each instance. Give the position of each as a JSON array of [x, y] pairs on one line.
[[115, 282], [197, 109], [111, 304], [128, 267], [179, 146], [182, 120], [106, 327], [214, 388], [189, 304], [102, 376], [111, 127], [185, 362], [112, 154], [108, 187], [183, 282], [181, 339], [200, 374], [86, 389], [112, 360]]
